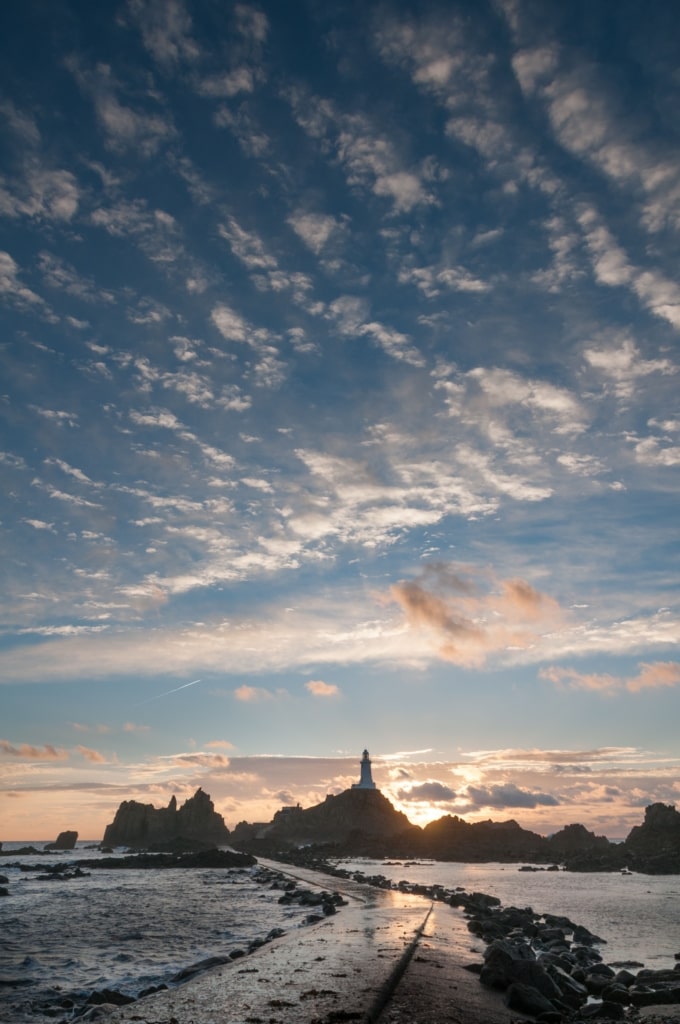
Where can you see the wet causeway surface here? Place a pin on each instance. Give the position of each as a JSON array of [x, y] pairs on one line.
[[343, 969]]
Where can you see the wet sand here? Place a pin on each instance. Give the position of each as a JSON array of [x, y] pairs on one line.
[[386, 956]]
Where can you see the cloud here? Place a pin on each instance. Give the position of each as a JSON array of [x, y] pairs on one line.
[[93, 756], [166, 30], [269, 371], [654, 676], [428, 792], [369, 158], [315, 229], [318, 688], [657, 293], [227, 84], [623, 364], [219, 744], [254, 694], [252, 23], [432, 280], [469, 628], [246, 246], [26, 751], [508, 795], [124, 127], [42, 194], [11, 287], [60, 275]]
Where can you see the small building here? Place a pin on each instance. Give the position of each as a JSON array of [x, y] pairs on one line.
[[366, 780]]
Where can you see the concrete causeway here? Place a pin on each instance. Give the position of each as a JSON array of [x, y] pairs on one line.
[[386, 957]]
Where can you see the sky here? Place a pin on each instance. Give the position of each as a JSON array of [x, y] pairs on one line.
[[339, 393]]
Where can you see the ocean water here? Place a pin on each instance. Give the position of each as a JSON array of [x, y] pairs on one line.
[[122, 929], [637, 915], [131, 929]]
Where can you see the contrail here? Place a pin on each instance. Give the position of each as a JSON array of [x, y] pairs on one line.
[[167, 692]]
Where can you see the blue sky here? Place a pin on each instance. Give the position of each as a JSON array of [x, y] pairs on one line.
[[339, 391]]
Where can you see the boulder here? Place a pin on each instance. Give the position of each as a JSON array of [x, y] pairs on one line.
[[526, 999], [64, 841]]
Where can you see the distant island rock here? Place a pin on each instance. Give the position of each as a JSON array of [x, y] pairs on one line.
[[64, 841], [193, 826]]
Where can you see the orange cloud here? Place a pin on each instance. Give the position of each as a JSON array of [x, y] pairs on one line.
[[320, 689], [91, 755], [663, 673], [133, 727], [255, 694], [474, 625], [25, 750], [220, 744], [655, 676]]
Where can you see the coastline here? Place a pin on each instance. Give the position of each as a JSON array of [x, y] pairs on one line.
[[385, 956]]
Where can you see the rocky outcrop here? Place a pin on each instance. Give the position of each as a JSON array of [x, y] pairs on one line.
[[364, 823], [64, 841], [196, 824], [654, 846], [451, 838], [575, 839], [361, 821]]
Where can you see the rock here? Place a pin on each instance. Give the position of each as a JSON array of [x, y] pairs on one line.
[[526, 999], [108, 995], [500, 958], [142, 825], [4, 891], [359, 820], [64, 841], [199, 968], [151, 990], [654, 846], [4, 880]]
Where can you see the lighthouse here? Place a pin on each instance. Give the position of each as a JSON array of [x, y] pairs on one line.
[[366, 780]]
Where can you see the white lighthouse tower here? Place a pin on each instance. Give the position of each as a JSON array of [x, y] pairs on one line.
[[366, 780]]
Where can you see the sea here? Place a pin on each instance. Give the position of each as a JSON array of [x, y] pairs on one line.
[[132, 929]]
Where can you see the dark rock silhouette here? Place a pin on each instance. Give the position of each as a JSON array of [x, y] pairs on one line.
[[654, 846], [364, 823], [195, 825], [451, 838], [64, 841], [356, 819]]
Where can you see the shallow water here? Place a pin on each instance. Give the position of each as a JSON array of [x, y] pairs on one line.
[[123, 929], [131, 929], [637, 915]]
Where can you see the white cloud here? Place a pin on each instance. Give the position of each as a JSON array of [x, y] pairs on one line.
[[315, 229], [228, 83], [166, 30], [124, 127], [623, 364], [246, 246], [10, 284]]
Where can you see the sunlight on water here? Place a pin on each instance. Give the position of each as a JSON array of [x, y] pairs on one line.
[[638, 915]]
